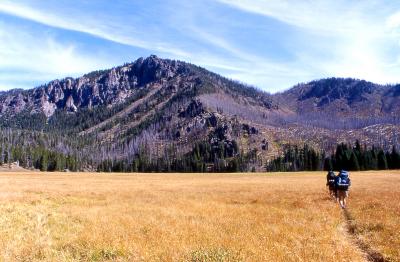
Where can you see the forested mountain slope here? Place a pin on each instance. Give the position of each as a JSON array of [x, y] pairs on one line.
[[158, 114]]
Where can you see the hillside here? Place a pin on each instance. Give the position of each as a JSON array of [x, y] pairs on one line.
[[343, 97], [157, 110]]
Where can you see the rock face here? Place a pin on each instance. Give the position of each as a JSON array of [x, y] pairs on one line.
[[195, 108], [97, 88]]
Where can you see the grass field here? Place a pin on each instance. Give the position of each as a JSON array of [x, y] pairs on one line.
[[190, 217]]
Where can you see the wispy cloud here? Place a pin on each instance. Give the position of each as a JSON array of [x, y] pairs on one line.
[[246, 62], [272, 44], [322, 16], [222, 53], [34, 58], [357, 36], [109, 28], [237, 63]]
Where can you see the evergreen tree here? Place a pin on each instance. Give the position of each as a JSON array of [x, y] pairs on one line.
[[353, 165], [43, 166], [382, 161], [328, 166], [394, 159]]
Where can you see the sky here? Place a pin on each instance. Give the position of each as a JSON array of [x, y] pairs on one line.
[[271, 44]]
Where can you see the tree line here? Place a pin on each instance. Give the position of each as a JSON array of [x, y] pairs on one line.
[[357, 158], [41, 151], [222, 156], [49, 152], [346, 156]]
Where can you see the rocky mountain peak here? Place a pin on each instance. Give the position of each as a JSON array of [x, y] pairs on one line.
[[106, 87]]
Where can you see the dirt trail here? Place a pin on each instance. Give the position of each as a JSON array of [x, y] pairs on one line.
[[370, 254]]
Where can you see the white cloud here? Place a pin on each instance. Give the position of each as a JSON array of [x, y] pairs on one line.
[[245, 61], [357, 36], [238, 64], [94, 24], [322, 16], [333, 38], [26, 58], [220, 53]]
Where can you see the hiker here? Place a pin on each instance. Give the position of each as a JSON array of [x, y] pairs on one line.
[[342, 186], [330, 183]]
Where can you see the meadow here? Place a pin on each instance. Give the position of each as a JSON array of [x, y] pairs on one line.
[[196, 217]]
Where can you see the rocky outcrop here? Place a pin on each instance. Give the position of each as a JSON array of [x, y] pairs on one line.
[[97, 88], [195, 108]]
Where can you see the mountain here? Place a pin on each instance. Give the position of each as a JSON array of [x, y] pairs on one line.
[[343, 98], [159, 111]]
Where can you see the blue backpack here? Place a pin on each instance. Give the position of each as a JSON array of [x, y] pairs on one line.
[[343, 180]]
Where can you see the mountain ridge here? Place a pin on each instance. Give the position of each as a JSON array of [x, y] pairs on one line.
[[60, 98], [160, 107], [105, 86]]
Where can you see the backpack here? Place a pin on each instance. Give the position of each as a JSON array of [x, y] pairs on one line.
[[343, 180], [331, 178]]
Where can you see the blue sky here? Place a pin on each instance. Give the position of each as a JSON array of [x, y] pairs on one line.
[[272, 44]]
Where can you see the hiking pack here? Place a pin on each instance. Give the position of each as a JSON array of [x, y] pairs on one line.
[[343, 180], [331, 178]]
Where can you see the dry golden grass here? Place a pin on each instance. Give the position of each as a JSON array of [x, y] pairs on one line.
[[186, 217], [375, 206]]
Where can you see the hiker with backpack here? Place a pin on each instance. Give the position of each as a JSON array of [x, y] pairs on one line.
[[342, 184], [330, 183]]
